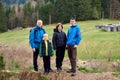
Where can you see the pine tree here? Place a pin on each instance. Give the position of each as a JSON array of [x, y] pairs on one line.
[[27, 14], [46, 13], [65, 9], [7, 12], [105, 8], [12, 17], [3, 22], [94, 13], [96, 9], [82, 9]]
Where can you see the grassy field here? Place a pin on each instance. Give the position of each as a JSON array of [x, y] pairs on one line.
[[95, 44]]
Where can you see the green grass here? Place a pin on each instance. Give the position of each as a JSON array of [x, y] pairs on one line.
[[6, 76], [95, 44], [85, 70]]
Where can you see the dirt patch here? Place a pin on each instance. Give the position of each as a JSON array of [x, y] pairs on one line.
[[63, 75], [82, 76]]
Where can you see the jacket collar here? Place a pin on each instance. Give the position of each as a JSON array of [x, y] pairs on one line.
[[74, 25], [38, 28]]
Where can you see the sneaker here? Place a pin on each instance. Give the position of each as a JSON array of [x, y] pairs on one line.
[[73, 74]]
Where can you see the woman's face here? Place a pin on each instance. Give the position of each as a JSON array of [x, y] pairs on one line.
[[59, 28]]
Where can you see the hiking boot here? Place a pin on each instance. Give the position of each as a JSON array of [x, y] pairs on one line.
[[69, 71], [36, 70], [45, 73], [59, 69], [50, 70], [73, 74]]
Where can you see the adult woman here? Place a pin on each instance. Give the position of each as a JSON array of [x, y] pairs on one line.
[[59, 44]]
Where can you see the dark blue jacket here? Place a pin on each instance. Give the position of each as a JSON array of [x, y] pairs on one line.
[[59, 39], [35, 37], [73, 36]]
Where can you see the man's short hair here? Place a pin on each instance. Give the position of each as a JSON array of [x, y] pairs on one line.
[[73, 19]]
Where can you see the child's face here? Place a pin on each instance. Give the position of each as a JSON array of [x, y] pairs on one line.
[[45, 37]]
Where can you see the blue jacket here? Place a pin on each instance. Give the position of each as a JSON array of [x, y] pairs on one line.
[[73, 36], [35, 37]]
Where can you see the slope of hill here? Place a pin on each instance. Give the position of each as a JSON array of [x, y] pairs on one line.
[[96, 45], [99, 43]]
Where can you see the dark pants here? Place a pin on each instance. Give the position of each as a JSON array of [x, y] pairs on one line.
[[35, 56], [46, 61], [72, 54], [60, 56]]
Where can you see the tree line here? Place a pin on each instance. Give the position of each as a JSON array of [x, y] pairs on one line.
[[51, 11]]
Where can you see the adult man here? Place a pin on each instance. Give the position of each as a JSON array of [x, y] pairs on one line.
[[73, 39], [35, 37]]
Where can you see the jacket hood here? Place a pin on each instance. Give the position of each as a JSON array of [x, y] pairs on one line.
[[55, 30], [38, 27]]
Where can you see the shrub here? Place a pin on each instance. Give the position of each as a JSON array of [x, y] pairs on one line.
[[2, 63], [15, 65]]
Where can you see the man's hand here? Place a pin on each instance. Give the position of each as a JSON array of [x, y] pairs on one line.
[[33, 50], [75, 46]]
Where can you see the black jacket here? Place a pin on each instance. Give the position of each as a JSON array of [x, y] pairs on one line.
[[59, 39]]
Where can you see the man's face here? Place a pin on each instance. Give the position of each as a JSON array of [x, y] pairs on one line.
[[39, 23], [72, 22]]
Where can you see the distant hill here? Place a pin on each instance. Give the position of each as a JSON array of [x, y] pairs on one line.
[[7, 3]]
